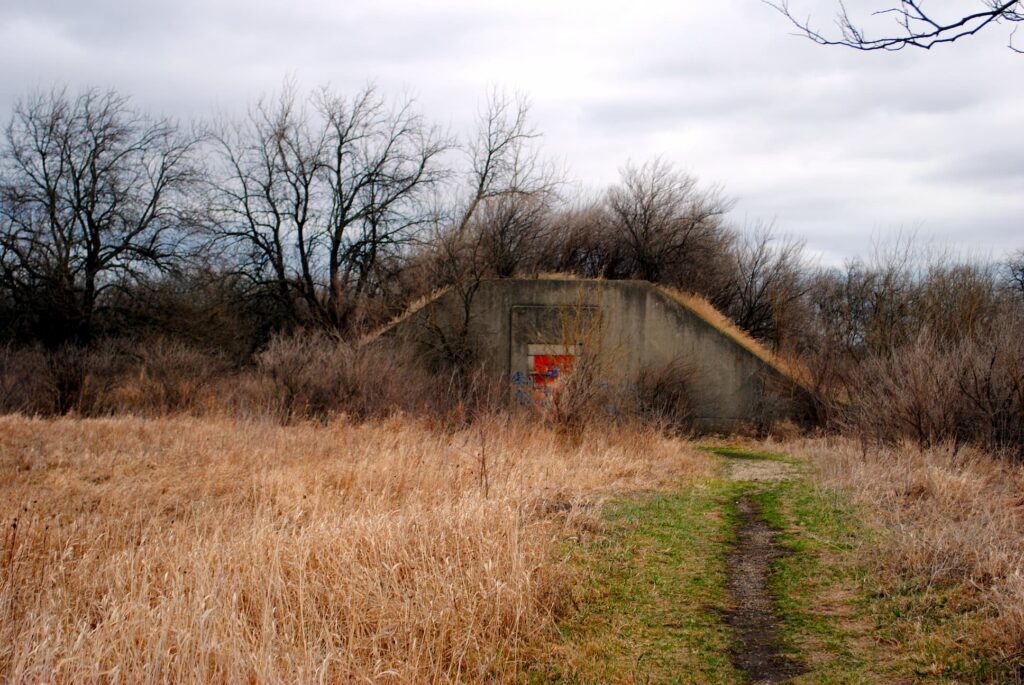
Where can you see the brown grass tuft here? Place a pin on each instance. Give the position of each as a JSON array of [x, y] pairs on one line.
[[216, 550], [952, 522]]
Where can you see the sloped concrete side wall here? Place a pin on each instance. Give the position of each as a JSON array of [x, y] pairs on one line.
[[728, 382], [641, 328]]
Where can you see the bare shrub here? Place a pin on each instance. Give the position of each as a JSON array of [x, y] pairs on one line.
[[316, 375], [933, 392], [309, 375], [153, 378], [785, 430], [910, 392], [657, 223], [781, 404], [589, 390], [584, 395], [67, 365], [991, 380], [40, 381], [110, 375], [25, 381]]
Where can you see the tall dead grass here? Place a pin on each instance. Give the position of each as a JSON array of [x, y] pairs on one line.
[[180, 549], [952, 522]]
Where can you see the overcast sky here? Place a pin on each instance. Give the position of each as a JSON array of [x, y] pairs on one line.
[[835, 146]]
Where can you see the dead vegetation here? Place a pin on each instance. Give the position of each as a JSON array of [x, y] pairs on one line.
[[951, 522], [932, 391], [217, 550], [309, 375]]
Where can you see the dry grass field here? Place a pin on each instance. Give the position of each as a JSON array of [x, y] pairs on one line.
[[950, 546], [220, 550], [182, 549]]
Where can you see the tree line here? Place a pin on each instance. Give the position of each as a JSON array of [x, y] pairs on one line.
[[327, 212], [321, 210]]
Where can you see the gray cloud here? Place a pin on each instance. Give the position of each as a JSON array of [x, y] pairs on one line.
[[832, 144]]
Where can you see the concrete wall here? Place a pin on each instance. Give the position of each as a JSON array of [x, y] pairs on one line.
[[636, 325]]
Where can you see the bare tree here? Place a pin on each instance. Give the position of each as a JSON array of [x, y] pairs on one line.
[[511, 187], [93, 195], [770, 283], [318, 198], [265, 197], [499, 216], [381, 164], [913, 25], [668, 224], [1014, 273]]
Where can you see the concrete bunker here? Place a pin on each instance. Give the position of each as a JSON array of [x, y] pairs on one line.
[[532, 331]]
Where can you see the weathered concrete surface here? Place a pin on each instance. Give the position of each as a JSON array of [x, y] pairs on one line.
[[636, 325]]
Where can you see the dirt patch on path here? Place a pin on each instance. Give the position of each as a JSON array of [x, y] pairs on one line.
[[752, 617], [762, 470]]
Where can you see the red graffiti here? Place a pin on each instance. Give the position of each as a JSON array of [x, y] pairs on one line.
[[548, 367]]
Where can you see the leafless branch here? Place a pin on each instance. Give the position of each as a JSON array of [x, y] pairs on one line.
[[916, 26]]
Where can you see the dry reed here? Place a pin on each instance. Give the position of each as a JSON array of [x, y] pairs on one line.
[[952, 522], [170, 550]]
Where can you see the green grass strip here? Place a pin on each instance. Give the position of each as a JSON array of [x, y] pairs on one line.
[[652, 594]]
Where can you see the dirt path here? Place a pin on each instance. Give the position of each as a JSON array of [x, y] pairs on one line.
[[762, 470], [753, 616], [661, 606]]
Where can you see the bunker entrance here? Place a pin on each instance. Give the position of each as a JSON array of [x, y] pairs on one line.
[[544, 344]]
